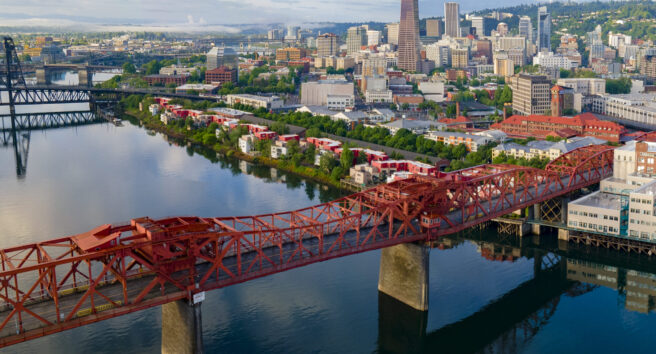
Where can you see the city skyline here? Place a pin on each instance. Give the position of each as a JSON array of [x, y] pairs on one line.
[[217, 16]]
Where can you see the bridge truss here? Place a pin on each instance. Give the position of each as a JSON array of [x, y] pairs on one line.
[[68, 282]]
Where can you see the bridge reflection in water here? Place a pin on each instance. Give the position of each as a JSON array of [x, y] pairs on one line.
[[16, 134], [508, 323]]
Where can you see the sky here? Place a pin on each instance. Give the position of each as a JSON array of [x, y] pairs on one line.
[[211, 15]]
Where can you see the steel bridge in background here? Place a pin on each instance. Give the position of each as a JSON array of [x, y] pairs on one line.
[[50, 286]]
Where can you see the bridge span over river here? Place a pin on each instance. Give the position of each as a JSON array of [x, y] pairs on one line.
[[113, 270]]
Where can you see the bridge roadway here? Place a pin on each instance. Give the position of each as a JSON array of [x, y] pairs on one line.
[[43, 94], [301, 249]]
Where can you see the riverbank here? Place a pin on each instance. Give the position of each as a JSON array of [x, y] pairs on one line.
[[230, 151]]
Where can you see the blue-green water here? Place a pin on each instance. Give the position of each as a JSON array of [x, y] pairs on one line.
[[78, 178]]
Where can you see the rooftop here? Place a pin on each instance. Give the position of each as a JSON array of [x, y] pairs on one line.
[[600, 200], [649, 188]]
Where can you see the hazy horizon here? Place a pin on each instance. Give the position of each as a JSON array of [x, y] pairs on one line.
[[211, 15]]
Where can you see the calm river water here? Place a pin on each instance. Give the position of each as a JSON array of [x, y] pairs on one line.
[[483, 295]]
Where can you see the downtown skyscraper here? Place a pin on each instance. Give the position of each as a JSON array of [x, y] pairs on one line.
[[544, 29], [409, 45], [452, 19]]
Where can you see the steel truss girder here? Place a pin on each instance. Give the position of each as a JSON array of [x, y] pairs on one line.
[[29, 96], [51, 286]]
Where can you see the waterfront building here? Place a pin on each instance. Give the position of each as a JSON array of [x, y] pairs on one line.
[[531, 94], [625, 204], [452, 19], [409, 45]]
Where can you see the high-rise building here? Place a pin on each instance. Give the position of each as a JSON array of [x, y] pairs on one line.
[[327, 45], [531, 94], [222, 56], [274, 35], [544, 29], [526, 28], [452, 19], [502, 29], [433, 28], [478, 22], [503, 66], [409, 46], [392, 34], [373, 37], [356, 37], [460, 58]]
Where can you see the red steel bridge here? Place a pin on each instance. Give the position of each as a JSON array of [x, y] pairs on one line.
[[112, 270]]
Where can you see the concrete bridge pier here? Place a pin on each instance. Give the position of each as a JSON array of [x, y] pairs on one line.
[[182, 330], [42, 77], [85, 77], [404, 274]]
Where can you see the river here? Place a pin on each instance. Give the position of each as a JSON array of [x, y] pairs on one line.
[[81, 177]]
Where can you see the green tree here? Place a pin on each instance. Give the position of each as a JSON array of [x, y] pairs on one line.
[[128, 68], [347, 158]]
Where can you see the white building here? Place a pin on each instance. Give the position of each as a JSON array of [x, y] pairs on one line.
[[551, 60], [340, 102], [154, 109], [246, 143], [433, 91], [585, 86], [267, 102], [376, 96], [638, 110], [316, 93]]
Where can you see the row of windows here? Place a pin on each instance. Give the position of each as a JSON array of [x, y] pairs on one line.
[[592, 226], [641, 222], [637, 211], [642, 235], [593, 215], [642, 201]]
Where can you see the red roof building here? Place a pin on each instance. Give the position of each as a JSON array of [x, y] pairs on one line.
[[459, 122], [537, 126]]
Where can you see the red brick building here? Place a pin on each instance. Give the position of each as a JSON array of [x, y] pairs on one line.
[[178, 80], [537, 126], [221, 75]]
